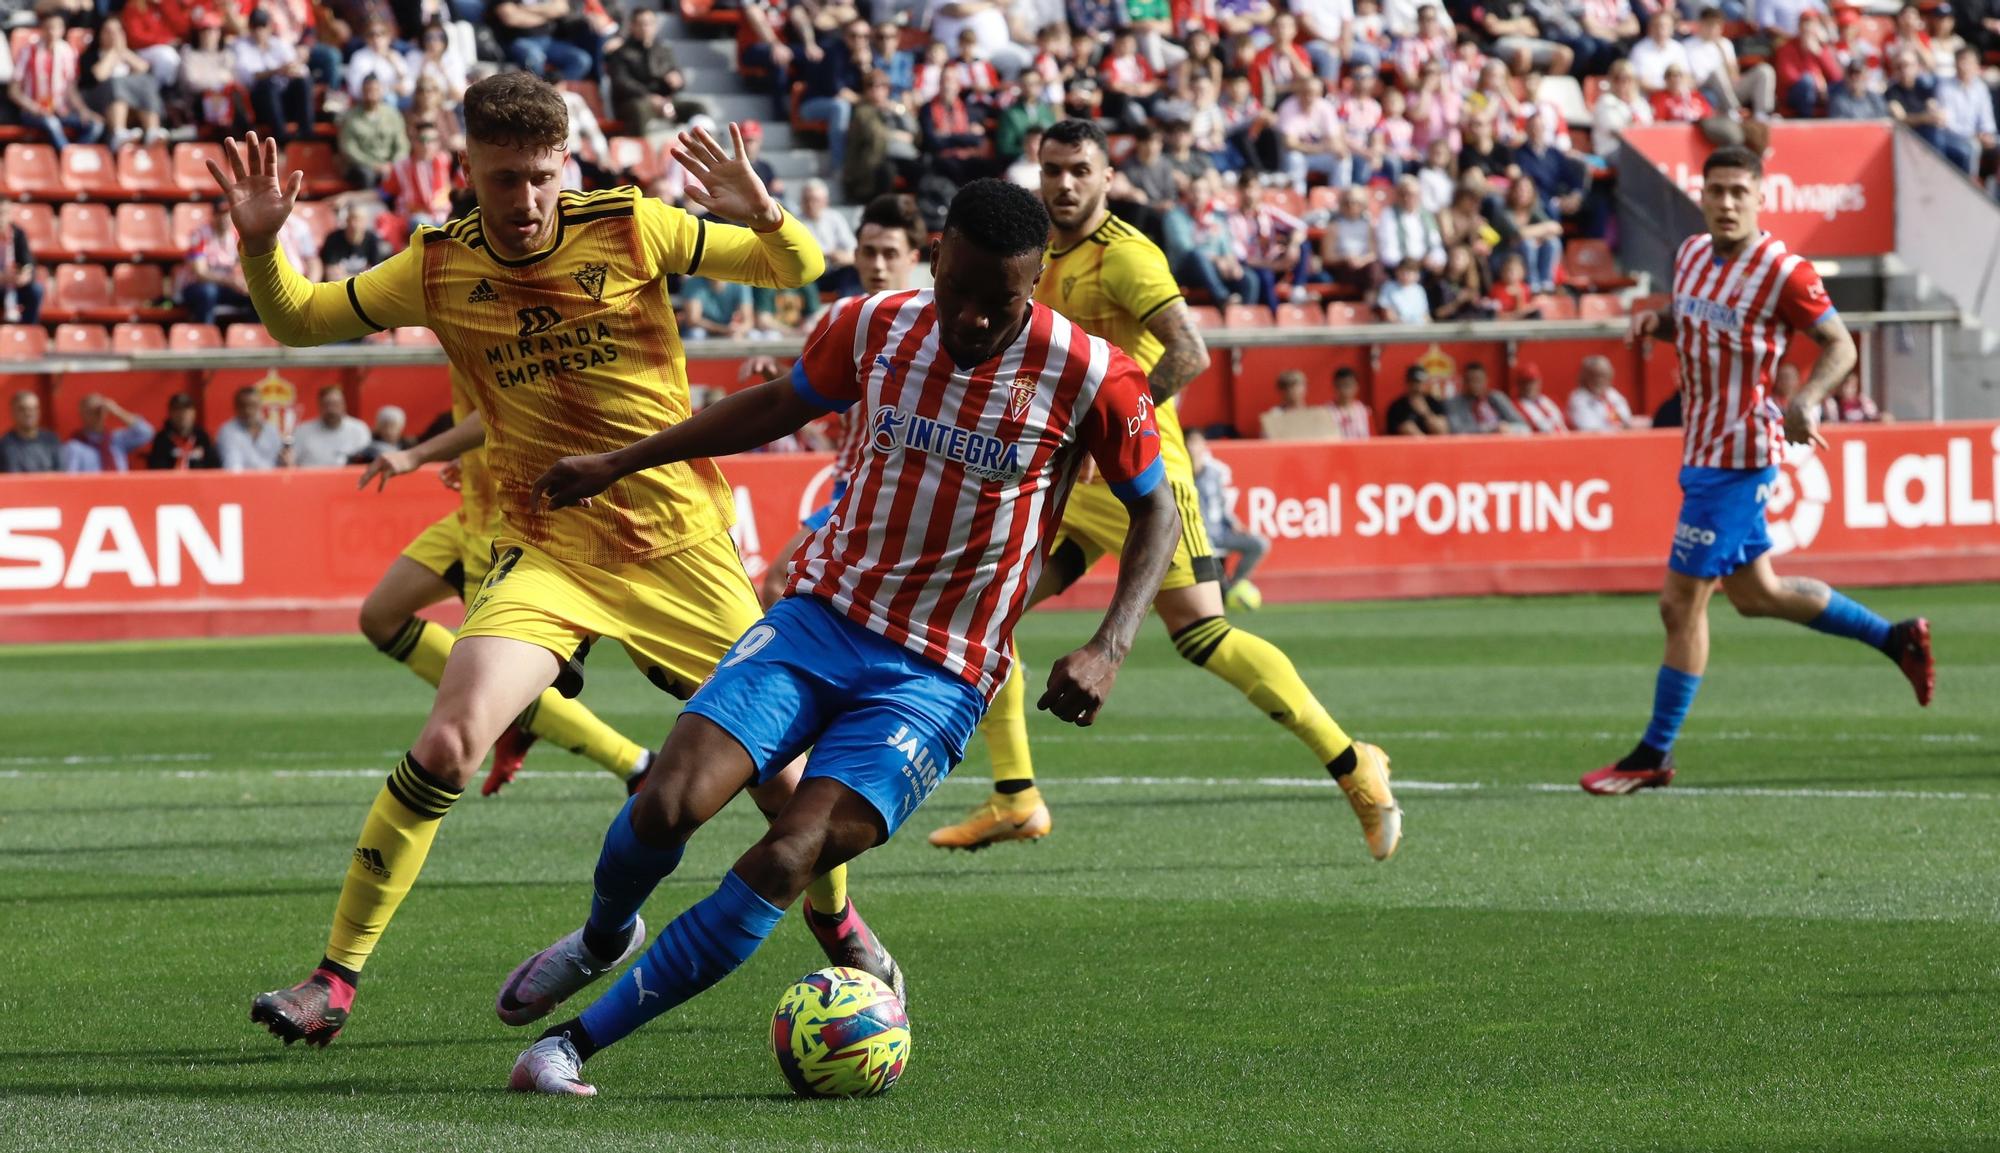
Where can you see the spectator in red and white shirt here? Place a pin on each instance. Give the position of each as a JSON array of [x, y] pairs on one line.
[[1678, 102], [1314, 140], [46, 90], [1537, 408], [1276, 70], [1130, 83], [1271, 241], [1432, 41], [1848, 405], [1354, 417], [1597, 405], [418, 187], [1808, 69]]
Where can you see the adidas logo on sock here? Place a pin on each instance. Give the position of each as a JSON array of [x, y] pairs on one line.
[[371, 860], [482, 293]]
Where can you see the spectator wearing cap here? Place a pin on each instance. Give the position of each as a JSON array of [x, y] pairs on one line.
[[96, 446], [1597, 405], [46, 86], [1856, 98], [1711, 60], [1808, 68], [1540, 410], [182, 443], [1942, 25], [249, 443], [274, 73], [28, 447], [1418, 412], [1967, 104], [1480, 410], [330, 438], [1913, 101]]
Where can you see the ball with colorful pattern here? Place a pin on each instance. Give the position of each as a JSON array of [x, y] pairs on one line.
[[840, 1033]]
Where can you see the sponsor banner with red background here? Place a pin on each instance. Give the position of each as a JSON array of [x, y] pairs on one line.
[[1829, 186], [179, 554]]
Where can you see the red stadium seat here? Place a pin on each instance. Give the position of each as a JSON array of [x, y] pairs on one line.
[[78, 292], [1323, 198], [193, 337], [319, 215], [39, 222], [191, 169], [316, 159], [1657, 302], [188, 220], [1588, 265], [1300, 316], [145, 230], [1205, 315], [631, 154], [1346, 312], [1286, 200], [23, 341], [81, 340], [593, 97], [248, 336], [32, 171], [1600, 306], [148, 170], [85, 231], [1554, 306], [1246, 316], [138, 289], [90, 172], [134, 337]]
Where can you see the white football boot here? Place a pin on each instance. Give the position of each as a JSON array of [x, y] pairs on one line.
[[552, 976], [551, 1066]]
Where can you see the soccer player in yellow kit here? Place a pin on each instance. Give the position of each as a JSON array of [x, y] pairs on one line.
[[442, 563], [1105, 275], [554, 307]]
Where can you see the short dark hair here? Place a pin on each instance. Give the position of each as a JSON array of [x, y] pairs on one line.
[[245, 393], [327, 390], [1734, 156], [896, 210], [1345, 372], [1000, 218], [1075, 133], [516, 110], [1710, 13]]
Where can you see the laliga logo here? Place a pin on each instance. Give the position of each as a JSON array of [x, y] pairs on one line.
[[1796, 504]]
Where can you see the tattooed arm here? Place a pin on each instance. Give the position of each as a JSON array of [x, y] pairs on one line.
[[1837, 358], [1186, 355]]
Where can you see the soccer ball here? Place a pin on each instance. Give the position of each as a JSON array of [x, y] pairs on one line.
[[840, 1033], [1245, 597]]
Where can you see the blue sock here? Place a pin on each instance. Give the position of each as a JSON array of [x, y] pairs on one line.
[[1849, 618], [702, 946], [1673, 696], [628, 870]]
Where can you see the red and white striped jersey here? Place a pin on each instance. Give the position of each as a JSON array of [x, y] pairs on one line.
[[46, 72], [421, 187], [1732, 320], [853, 425], [940, 535]]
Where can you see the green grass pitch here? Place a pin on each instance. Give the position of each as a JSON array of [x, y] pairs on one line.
[[1797, 947]]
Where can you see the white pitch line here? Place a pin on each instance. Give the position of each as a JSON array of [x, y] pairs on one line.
[[1145, 782]]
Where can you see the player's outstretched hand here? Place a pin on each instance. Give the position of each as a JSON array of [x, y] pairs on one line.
[[573, 480], [729, 187], [451, 477], [259, 200], [392, 463], [1802, 427], [1079, 684]]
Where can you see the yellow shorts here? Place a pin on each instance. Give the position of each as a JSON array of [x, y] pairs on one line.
[[675, 615], [458, 557], [1095, 523]]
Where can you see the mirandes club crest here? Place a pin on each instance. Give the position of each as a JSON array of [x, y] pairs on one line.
[[590, 278]]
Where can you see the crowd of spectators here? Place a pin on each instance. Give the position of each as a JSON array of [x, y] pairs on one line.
[[108, 437]]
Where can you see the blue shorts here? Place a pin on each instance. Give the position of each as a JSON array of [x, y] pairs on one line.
[[824, 513], [878, 718], [1722, 526]]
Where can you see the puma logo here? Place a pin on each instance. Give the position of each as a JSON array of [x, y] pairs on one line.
[[639, 980]]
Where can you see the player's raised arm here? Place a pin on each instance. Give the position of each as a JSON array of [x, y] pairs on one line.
[[450, 444], [775, 251], [1837, 358], [296, 311]]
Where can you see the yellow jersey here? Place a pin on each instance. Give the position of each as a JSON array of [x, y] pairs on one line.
[[1112, 282], [566, 351]]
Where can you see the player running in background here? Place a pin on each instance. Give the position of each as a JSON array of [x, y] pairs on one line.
[[891, 238], [554, 307], [449, 557], [893, 633], [1738, 295], [1104, 275]]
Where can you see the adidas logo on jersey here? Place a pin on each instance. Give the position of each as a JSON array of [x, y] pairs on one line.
[[371, 860], [482, 293]]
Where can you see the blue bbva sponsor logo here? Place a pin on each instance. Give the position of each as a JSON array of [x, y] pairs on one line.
[[987, 457], [1707, 311]]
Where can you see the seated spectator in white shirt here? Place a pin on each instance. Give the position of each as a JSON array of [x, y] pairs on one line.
[[1403, 300], [98, 448], [1537, 407], [248, 442], [1596, 405], [1481, 410], [329, 440], [1658, 51], [1407, 231]]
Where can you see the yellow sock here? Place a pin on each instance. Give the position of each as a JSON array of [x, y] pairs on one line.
[[1006, 730], [1265, 675], [568, 723], [395, 839], [422, 645], [828, 894]]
